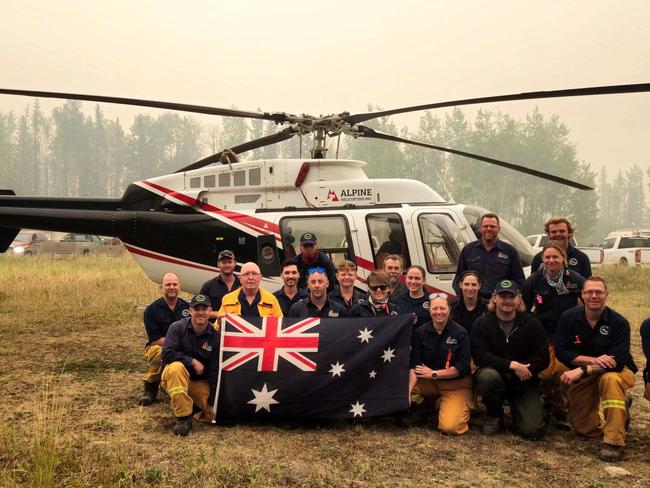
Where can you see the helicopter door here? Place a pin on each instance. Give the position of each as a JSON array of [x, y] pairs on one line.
[[387, 236], [442, 242]]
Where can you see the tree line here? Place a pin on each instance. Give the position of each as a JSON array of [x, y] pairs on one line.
[[70, 153]]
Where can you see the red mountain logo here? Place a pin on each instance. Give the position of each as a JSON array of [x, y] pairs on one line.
[[331, 195]]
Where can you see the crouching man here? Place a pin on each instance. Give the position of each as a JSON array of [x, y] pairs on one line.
[[595, 341], [191, 362], [440, 369], [509, 347]]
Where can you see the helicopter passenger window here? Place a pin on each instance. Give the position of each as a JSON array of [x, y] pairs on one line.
[[209, 181], [195, 182], [224, 179], [442, 242], [332, 232], [240, 178], [386, 233], [254, 176]]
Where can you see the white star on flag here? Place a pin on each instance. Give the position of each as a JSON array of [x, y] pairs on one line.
[[373, 374], [365, 335], [388, 354], [263, 399], [357, 409], [337, 369]]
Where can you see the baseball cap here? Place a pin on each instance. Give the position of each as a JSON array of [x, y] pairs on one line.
[[308, 238], [507, 286], [200, 300], [226, 254]]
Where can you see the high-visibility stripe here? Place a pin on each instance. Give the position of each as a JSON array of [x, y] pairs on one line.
[[612, 404], [176, 390]]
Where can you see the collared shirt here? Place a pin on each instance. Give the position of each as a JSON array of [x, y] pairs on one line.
[[286, 302], [338, 298], [249, 309], [158, 317], [267, 304], [322, 261], [183, 344], [576, 261], [418, 306], [548, 305], [464, 317], [451, 348], [499, 263], [575, 337], [306, 308], [216, 289]]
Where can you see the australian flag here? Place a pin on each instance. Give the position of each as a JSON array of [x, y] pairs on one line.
[[330, 368]]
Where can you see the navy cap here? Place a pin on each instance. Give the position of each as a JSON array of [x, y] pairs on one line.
[[200, 300], [308, 238], [507, 286], [226, 254]]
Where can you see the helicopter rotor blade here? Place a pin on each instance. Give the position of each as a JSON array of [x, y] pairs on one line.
[[572, 92], [283, 135], [182, 107], [371, 133]]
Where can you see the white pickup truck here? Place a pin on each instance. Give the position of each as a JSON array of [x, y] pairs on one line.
[[595, 254], [81, 245], [626, 250]]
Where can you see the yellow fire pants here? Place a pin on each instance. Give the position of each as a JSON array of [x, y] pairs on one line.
[[152, 355], [597, 405], [184, 392], [455, 400], [553, 389]]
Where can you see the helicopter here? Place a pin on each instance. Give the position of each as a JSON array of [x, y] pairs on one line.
[[258, 209]]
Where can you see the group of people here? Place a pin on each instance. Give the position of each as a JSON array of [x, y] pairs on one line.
[[546, 346]]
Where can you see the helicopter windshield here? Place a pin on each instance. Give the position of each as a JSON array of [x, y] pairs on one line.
[[508, 233]]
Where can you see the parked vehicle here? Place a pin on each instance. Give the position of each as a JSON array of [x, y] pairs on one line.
[[626, 250], [82, 244], [595, 254], [27, 243]]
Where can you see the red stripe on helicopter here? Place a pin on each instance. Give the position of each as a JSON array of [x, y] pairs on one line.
[[160, 257], [252, 223]]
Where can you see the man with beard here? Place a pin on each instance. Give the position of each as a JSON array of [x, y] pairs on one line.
[[311, 257], [493, 259], [157, 318], [224, 283], [394, 269], [317, 304], [289, 293]]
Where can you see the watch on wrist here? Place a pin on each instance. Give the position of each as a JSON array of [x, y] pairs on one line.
[[434, 375], [585, 371]]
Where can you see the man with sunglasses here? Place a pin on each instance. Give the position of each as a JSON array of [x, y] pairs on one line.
[[377, 303], [317, 304], [250, 300], [311, 257], [595, 341]]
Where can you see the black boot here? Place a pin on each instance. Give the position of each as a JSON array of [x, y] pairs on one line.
[[183, 425], [150, 393]]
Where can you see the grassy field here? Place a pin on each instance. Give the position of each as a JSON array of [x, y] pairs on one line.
[[71, 340]]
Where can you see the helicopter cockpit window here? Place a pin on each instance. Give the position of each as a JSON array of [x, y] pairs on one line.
[[386, 233], [240, 178], [332, 232], [209, 181], [224, 179], [442, 242], [254, 176], [195, 182]]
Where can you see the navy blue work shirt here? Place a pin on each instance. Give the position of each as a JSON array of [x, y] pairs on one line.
[[451, 348], [338, 298], [500, 263], [286, 302], [249, 310], [574, 337], [576, 261], [418, 306], [215, 289], [306, 308], [158, 317]]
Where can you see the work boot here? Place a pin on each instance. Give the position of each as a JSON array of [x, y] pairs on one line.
[[562, 422], [150, 393], [492, 426], [611, 453], [416, 415], [183, 425]]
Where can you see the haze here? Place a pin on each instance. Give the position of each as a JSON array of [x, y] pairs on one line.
[[309, 57]]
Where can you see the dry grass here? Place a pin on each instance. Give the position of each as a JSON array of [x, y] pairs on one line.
[[77, 321]]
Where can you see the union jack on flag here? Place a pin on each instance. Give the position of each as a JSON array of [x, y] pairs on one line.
[[268, 343]]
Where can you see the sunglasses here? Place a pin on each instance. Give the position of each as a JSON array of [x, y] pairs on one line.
[[316, 270], [433, 296], [378, 287]]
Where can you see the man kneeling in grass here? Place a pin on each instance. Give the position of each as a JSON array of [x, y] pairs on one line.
[[191, 362]]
